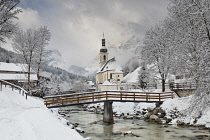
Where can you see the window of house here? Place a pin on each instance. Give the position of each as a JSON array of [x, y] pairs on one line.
[[104, 57], [110, 75]]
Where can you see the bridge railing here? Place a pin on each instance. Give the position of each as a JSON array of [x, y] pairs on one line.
[[13, 86], [121, 96], [177, 86]]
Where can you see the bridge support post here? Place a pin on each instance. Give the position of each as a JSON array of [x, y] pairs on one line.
[[108, 112]]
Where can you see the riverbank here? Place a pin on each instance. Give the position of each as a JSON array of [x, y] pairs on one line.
[[175, 109], [29, 119], [127, 128]]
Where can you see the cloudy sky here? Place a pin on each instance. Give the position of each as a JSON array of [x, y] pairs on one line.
[[77, 25]]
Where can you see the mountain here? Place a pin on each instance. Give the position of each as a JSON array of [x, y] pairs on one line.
[[77, 70], [122, 52], [129, 49], [57, 60], [88, 71], [10, 56]]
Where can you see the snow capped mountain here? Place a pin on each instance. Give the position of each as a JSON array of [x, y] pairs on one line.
[[57, 60], [129, 49], [88, 71]]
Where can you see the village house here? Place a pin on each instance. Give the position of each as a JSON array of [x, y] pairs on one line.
[[16, 74]]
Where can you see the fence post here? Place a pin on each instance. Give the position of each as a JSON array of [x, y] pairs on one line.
[[159, 96], [134, 96], [93, 97], [121, 96], [78, 99], [147, 97], [1, 86], [106, 95]]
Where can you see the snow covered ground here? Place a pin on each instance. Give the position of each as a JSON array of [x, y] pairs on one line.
[[22, 119], [180, 105]]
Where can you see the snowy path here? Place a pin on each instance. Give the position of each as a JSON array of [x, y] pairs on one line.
[[22, 119]]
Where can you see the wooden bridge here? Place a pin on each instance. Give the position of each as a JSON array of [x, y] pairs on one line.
[[108, 97], [101, 96], [183, 89]]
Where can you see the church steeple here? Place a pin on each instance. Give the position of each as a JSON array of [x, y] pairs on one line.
[[103, 52], [103, 49]]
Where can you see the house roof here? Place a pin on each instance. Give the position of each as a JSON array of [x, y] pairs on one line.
[[13, 67], [111, 65], [12, 71], [19, 77]]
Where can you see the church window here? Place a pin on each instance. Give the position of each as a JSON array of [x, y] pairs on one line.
[[104, 57]]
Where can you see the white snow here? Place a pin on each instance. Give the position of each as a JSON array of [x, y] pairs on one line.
[[13, 67], [181, 104], [130, 107], [29, 119], [133, 76], [23, 77], [126, 107], [111, 65], [107, 83]]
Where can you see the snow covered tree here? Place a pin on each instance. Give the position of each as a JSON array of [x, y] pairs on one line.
[[8, 12], [192, 25], [25, 44], [80, 85], [159, 50], [192, 29], [143, 77], [42, 54]]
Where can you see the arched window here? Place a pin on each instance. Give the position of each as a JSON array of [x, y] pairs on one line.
[[104, 57]]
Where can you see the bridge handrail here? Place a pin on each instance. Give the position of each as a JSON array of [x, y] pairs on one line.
[[183, 85], [13, 85], [117, 91], [91, 97]]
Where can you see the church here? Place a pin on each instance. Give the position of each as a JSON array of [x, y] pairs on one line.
[[110, 74]]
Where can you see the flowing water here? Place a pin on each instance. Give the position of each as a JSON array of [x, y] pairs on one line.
[[94, 127]]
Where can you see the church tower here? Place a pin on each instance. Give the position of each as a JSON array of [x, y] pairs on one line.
[[103, 53]]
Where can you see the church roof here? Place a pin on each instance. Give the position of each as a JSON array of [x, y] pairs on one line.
[[111, 65]]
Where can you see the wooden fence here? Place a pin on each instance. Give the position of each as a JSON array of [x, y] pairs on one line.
[[14, 87]]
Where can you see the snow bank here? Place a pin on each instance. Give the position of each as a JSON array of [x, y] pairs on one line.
[[130, 107], [182, 104], [126, 107], [132, 77], [23, 119]]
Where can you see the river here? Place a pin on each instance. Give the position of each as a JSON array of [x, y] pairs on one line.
[[94, 127]]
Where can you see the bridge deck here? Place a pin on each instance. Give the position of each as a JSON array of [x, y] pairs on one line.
[[102, 96]]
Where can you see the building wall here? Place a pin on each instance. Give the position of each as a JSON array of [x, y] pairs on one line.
[[115, 87], [106, 76], [102, 60]]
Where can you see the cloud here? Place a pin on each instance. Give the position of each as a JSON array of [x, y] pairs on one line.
[[77, 25], [29, 18]]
